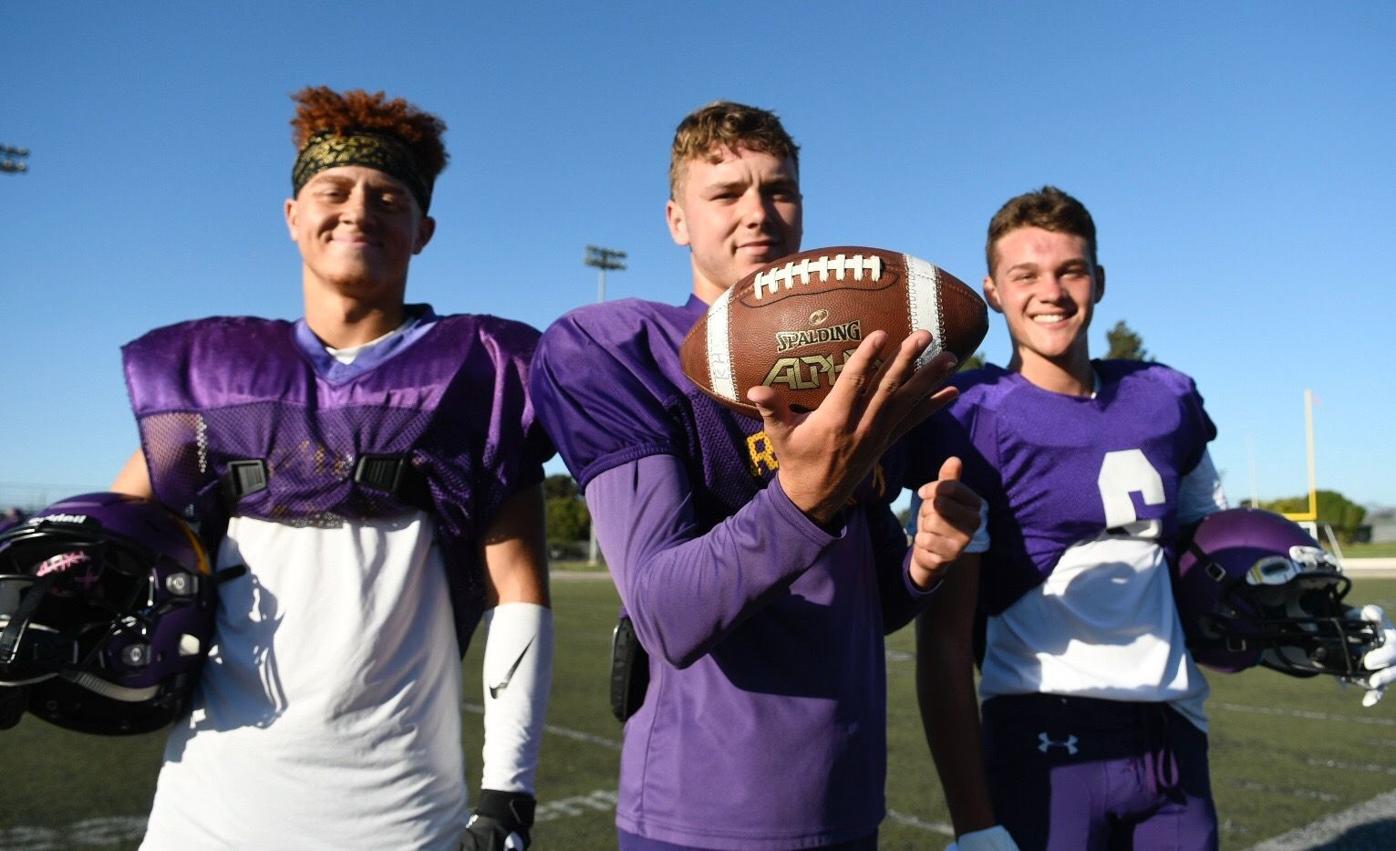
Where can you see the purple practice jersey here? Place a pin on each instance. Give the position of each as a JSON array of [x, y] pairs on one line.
[[447, 394], [1059, 470], [764, 723]]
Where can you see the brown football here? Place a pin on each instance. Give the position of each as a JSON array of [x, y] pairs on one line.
[[793, 323]]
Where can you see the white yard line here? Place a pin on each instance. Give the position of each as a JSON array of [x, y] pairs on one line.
[[1375, 819], [93, 831], [1364, 767], [1371, 824], [939, 827], [598, 801], [1372, 720]]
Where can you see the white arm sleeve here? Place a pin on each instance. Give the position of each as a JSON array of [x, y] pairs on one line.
[[1200, 493], [518, 671]]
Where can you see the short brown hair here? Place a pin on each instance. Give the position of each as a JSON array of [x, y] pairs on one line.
[[727, 125], [320, 109], [1048, 208]]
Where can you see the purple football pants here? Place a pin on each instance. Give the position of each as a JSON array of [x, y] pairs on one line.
[[1080, 774], [634, 842]]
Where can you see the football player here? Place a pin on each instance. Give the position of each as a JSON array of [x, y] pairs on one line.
[[380, 509], [757, 560], [1092, 472]]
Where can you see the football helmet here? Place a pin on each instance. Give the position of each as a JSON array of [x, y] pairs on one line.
[[106, 615], [1254, 588]]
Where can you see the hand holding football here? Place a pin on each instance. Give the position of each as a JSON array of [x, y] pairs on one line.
[[793, 323]]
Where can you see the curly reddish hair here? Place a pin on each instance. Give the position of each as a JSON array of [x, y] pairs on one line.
[[320, 109]]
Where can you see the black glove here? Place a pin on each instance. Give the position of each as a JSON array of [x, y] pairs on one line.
[[501, 822]]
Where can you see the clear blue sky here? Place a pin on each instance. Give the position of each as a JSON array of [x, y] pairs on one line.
[[1238, 158]]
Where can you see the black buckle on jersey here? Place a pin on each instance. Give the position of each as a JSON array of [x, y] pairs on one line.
[[243, 478], [395, 475]]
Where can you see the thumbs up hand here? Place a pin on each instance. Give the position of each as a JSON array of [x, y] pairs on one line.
[[947, 520]]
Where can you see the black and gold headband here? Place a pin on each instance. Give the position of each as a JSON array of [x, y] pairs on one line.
[[388, 154]]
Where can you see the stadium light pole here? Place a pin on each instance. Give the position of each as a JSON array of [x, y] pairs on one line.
[[602, 259], [12, 159]]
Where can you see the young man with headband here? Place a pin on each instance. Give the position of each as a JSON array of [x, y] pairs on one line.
[[757, 559], [376, 468]]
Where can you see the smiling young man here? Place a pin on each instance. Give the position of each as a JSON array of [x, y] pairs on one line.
[[1093, 473], [1094, 731], [761, 589], [378, 509]]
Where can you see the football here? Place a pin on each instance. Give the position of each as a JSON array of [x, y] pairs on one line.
[[792, 324]]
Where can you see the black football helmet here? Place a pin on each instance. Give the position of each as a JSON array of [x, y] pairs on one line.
[[106, 615], [1253, 588]]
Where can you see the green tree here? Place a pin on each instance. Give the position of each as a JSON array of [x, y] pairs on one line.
[[566, 512], [568, 521], [559, 486], [1125, 344], [974, 361], [1336, 510]]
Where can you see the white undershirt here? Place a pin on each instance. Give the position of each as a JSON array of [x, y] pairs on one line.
[[329, 710], [347, 354], [1104, 624]]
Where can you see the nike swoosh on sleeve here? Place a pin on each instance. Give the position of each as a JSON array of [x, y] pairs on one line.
[[509, 675]]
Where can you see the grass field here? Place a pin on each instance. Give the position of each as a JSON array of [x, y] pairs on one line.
[[1384, 550], [1285, 752]]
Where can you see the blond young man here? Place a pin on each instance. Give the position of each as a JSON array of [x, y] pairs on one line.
[[758, 560]]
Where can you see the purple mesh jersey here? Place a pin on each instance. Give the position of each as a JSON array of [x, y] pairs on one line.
[[1058, 470], [448, 393], [764, 723]]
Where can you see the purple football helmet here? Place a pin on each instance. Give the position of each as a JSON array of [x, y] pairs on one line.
[[106, 615], [1254, 588]]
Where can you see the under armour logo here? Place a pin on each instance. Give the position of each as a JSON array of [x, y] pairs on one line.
[[1044, 742]]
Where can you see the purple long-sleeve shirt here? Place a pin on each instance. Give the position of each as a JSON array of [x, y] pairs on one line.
[[764, 723]]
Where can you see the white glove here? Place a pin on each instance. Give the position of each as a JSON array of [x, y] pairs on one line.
[[989, 839], [1381, 660]]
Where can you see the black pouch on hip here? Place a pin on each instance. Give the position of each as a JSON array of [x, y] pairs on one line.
[[630, 670]]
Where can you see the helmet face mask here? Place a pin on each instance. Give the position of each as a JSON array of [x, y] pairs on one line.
[[1254, 588], [1279, 570], [106, 614], [83, 586]]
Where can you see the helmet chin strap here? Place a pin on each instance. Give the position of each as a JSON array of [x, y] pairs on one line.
[[111, 690], [19, 618]]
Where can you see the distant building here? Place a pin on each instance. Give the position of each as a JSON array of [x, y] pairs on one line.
[[1382, 525]]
